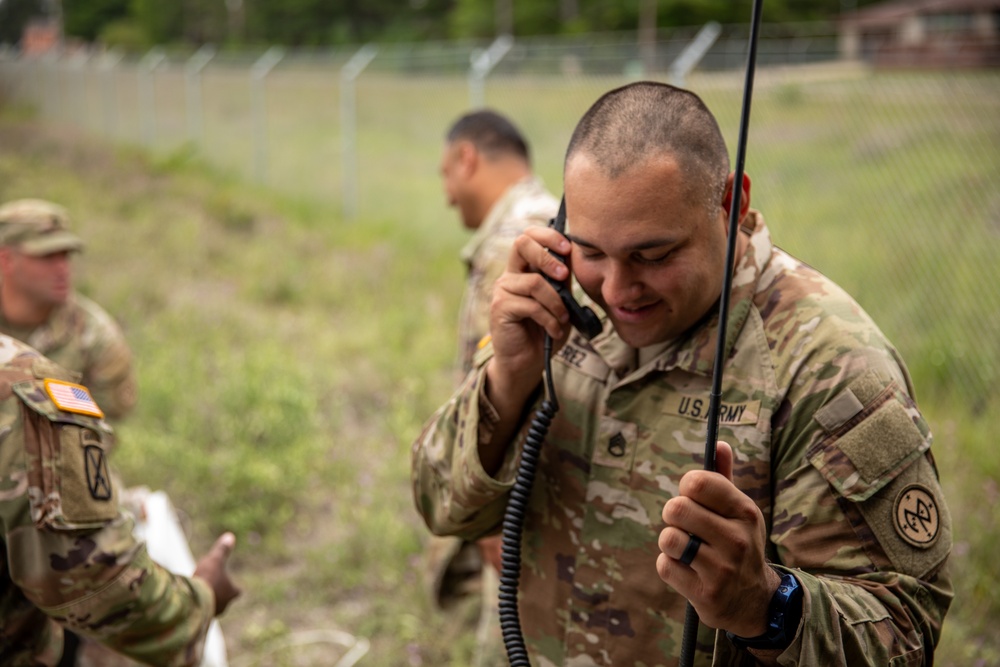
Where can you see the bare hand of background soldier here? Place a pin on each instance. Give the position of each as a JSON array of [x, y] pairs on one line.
[[212, 568], [523, 309], [728, 581], [490, 549]]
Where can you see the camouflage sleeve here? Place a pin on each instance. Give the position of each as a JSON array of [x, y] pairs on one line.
[[488, 266], [73, 555], [859, 516], [452, 492], [110, 374]]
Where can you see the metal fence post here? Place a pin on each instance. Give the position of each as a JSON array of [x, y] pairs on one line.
[[258, 73], [108, 64], [348, 126], [50, 108], [76, 69], [192, 88], [694, 52], [147, 93], [483, 63]]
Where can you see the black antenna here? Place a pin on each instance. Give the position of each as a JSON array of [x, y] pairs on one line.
[[690, 635]]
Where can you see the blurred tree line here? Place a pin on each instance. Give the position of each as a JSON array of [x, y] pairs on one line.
[[313, 23]]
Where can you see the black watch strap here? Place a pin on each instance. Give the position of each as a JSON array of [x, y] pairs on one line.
[[783, 616]]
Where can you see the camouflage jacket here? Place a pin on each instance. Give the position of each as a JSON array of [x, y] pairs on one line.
[[80, 336], [67, 556], [524, 204], [827, 440]]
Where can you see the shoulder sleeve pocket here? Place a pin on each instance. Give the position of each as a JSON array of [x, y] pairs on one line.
[[871, 447], [69, 481], [876, 456]]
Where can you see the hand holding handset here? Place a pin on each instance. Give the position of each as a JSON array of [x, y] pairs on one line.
[[581, 317]]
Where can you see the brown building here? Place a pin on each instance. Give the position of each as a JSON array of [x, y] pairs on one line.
[[923, 33]]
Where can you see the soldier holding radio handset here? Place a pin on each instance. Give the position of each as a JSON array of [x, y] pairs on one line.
[[822, 538]]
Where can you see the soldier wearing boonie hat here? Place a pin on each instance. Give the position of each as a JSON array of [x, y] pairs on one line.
[[39, 306]]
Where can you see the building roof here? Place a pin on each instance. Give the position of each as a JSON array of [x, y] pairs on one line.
[[891, 12]]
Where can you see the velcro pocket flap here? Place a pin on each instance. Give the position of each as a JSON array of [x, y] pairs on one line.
[[873, 447]]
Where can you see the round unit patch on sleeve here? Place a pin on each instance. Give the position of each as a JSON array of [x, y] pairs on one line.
[[70, 397], [916, 516]]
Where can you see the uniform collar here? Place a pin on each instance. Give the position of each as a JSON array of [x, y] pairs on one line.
[[695, 350], [529, 185]]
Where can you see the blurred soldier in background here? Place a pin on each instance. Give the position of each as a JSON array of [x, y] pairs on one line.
[[39, 306], [487, 176], [68, 558]]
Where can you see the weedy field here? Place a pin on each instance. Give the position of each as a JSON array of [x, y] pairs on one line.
[[287, 357]]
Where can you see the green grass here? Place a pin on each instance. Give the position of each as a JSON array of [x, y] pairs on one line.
[[288, 357]]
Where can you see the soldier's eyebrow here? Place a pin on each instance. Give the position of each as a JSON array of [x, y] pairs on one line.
[[638, 247]]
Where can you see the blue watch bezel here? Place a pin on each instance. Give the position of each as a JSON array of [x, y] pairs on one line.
[[783, 615]]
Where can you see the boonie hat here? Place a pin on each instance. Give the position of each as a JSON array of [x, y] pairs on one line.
[[37, 227]]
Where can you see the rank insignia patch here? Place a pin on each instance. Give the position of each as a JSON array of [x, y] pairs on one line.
[[70, 397], [98, 479], [916, 516]]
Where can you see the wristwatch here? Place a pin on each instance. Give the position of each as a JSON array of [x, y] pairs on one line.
[[783, 616]]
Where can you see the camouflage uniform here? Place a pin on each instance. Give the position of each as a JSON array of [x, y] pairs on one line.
[[524, 204], [827, 441], [68, 557], [82, 337]]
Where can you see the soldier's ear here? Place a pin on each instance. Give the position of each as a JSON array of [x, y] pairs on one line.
[[727, 197], [468, 158]]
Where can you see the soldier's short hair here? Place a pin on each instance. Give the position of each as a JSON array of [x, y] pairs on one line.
[[491, 133], [640, 120]]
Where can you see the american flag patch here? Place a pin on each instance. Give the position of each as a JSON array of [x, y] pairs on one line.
[[70, 397]]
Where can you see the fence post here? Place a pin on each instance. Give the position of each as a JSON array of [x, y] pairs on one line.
[[694, 52], [50, 108], [483, 63], [192, 87], [147, 93], [77, 66], [258, 74], [349, 126], [108, 64]]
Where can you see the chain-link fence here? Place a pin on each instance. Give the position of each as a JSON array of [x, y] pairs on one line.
[[885, 180]]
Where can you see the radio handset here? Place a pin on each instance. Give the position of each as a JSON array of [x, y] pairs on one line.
[[581, 317]]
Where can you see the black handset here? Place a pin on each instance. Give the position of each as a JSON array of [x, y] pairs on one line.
[[581, 317]]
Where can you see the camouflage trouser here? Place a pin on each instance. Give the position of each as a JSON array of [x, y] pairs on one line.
[[490, 651], [456, 571]]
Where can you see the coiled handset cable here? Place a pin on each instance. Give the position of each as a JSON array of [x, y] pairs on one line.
[[587, 323]]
